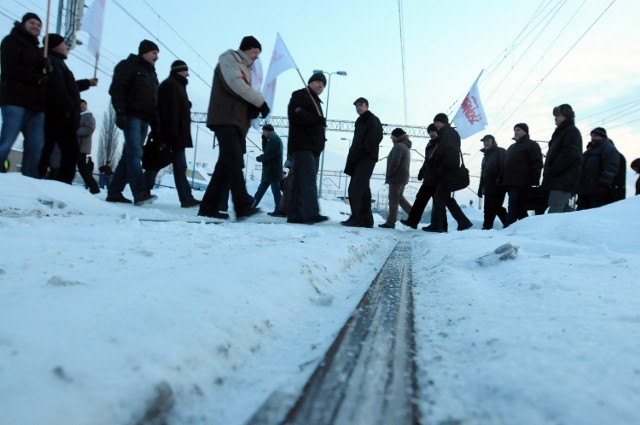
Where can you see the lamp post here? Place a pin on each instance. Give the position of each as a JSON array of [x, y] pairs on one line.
[[326, 115]]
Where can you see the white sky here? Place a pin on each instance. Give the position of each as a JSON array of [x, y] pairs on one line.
[[98, 308], [446, 46]]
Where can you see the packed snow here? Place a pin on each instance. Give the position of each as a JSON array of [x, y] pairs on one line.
[[101, 311]]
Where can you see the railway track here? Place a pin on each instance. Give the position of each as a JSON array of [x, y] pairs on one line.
[[368, 374]]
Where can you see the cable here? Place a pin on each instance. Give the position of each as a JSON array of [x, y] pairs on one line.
[[402, 57], [558, 62]]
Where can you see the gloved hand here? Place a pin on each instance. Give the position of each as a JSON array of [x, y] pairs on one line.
[[602, 190], [420, 175], [480, 193], [323, 120], [264, 109], [46, 66], [259, 158], [121, 121]]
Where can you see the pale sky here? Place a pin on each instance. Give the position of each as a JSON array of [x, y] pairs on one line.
[[529, 67]]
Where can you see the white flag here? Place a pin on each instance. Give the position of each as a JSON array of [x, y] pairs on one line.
[[92, 23], [471, 118], [257, 76], [281, 60]]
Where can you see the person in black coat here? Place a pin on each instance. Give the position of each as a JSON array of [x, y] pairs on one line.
[[490, 186], [305, 144], [444, 162], [429, 182], [62, 112], [23, 82], [134, 96], [522, 168], [174, 116], [635, 166], [600, 166], [361, 160], [564, 160]]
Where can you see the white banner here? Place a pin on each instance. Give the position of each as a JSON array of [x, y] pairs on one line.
[[92, 23], [281, 61], [471, 118]]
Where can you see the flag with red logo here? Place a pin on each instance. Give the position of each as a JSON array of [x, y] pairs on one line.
[[281, 61], [471, 118]]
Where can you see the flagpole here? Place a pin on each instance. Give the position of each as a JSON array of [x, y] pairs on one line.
[[95, 69], [309, 91], [46, 30]]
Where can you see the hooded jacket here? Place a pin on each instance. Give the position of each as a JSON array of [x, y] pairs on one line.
[[134, 88], [398, 161], [523, 163], [233, 101], [174, 112], [22, 79], [600, 166], [564, 159], [491, 170]]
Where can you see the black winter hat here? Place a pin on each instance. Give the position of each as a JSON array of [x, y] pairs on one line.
[[268, 127], [432, 127], [250, 42], [522, 126], [178, 66], [398, 132], [28, 16], [599, 131], [318, 76], [147, 46], [441, 117], [488, 137], [361, 100], [55, 40]]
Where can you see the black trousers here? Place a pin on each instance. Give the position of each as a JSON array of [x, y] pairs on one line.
[[492, 208], [61, 132], [360, 192], [441, 201], [425, 193], [227, 174], [85, 173]]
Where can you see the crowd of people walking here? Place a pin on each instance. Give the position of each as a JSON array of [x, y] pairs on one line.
[[40, 97]]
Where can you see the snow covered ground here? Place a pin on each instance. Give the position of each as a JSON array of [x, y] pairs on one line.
[[98, 310]]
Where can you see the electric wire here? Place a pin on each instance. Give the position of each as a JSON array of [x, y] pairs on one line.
[[553, 68]]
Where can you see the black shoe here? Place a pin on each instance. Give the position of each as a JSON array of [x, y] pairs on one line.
[[433, 229], [316, 219], [467, 225], [119, 198], [408, 223], [190, 203], [351, 223], [94, 190], [277, 213], [387, 226], [221, 216], [296, 220], [247, 213], [144, 199]]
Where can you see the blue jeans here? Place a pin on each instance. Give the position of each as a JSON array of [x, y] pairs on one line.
[[304, 190], [129, 169], [262, 188], [16, 119]]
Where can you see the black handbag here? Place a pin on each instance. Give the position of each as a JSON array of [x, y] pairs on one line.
[[458, 179], [155, 153]]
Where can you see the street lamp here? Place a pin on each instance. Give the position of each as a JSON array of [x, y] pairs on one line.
[[326, 115]]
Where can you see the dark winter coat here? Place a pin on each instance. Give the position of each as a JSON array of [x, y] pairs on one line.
[[426, 174], [600, 166], [523, 163], [398, 161], [174, 112], [233, 101], [366, 141], [22, 79], [564, 159], [271, 158], [134, 88], [85, 131], [446, 156], [491, 171], [306, 122], [63, 95]]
